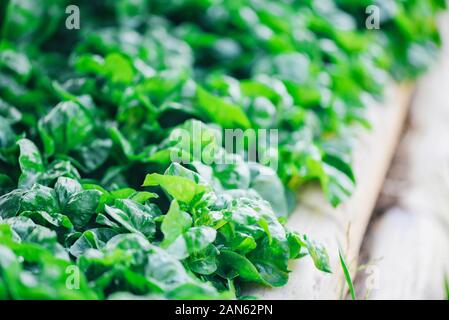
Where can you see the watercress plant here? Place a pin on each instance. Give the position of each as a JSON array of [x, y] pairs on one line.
[[92, 205]]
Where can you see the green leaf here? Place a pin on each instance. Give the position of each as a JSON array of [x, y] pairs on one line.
[[233, 265], [180, 188], [347, 275], [192, 241], [446, 287], [318, 254], [336, 185], [205, 262], [81, 207], [65, 127], [220, 111], [40, 198], [65, 188], [7, 137], [51, 220], [16, 62], [175, 223], [91, 239], [268, 185], [118, 68], [133, 217], [10, 203]]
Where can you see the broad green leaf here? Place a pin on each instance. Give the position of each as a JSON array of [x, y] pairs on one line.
[[81, 207], [133, 217], [65, 127], [222, 112], [175, 223], [65, 188], [180, 188]]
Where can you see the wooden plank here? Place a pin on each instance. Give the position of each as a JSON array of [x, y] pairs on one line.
[[408, 258], [345, 225], [410, 244]]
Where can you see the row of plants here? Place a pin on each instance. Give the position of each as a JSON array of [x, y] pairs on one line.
[[92, 205]]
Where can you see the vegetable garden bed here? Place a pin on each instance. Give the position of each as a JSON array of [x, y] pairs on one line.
[[114, 158]]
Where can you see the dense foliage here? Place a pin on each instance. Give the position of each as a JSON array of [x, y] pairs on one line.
[[90, 117]]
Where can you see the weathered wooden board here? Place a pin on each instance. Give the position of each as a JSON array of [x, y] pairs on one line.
[[408, 256], [344, 226], [409, 245]]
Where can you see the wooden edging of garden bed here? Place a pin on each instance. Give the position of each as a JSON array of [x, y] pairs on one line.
[[344, 227], [407, 246]]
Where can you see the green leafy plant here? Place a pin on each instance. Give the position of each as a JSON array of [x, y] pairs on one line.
[[90, 120]]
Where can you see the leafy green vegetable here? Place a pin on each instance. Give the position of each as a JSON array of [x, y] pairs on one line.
[[91, 195]]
